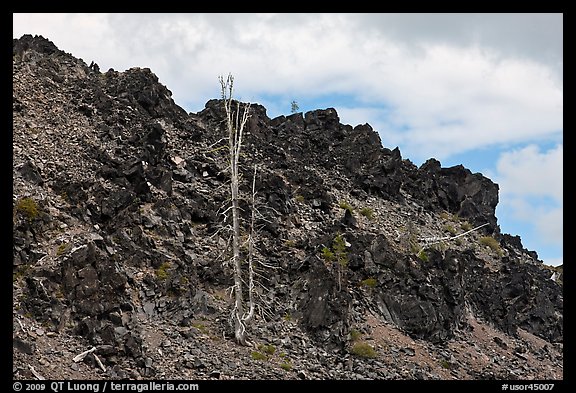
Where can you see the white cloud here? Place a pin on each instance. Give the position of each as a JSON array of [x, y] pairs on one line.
[[554, 261], [84, 35], [531, 188], [550, 224], [532, 36], [530, 172], [453, 100]]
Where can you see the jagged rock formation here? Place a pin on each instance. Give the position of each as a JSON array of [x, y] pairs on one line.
[[117, 193]]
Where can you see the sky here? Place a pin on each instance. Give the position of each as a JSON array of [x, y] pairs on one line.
[[481, 90]]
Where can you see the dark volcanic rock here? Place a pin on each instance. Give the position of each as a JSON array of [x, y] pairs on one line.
[[520, 295], [23, 346], [456, 190], [325, 308], [30, 172], [33, 44]]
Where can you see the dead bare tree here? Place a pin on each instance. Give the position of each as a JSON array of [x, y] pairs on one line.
[[236, 119]]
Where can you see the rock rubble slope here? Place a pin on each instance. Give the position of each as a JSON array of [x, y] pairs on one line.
[[117, 245]]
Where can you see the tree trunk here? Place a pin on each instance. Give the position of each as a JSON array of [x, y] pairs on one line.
[[239, 329], [235, 130]]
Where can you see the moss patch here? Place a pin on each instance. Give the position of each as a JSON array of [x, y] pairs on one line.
[[258, 356], [363, 350], [346, 206], [162, 271], [449, 228], [62, 248], [423, 256], [267, 349], [355, 335], [369, 282], [367, 212]]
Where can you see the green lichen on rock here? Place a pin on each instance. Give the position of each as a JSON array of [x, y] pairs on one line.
[[28, 208]]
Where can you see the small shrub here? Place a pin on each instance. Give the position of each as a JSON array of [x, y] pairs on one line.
[[450, 229], [294, 106], [59, 294], [346, 206], [492, 244], [415, 247], [162, 271], [422, 255], [327, 254], [355, 335], [201, 327], [299, 198], [27, 207], [466, 226], [441, 246], [367, 212], [258, 355], [337, 255], [174, 292], [286, 366], [61, 249], [64, 196], [290, 243], [268, 349], [445, 216], [445, 364], [369, 282], [339, 248], [20, 273], [363, 350]]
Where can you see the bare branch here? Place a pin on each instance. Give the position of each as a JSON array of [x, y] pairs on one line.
[[21, 325], [215, 143], [81, 356], [271, 208], [441, 239], [221, 186], [224, 251], [36, 374], [269, 266], [226, 211], [99, 362]]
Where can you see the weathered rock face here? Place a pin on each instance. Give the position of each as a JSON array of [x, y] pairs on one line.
[[519, 296], [118, 195], [457, 190]]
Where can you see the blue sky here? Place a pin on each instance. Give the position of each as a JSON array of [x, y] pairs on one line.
[[482, 90]]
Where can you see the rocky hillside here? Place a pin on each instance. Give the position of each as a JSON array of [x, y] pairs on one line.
[[118, 245]]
